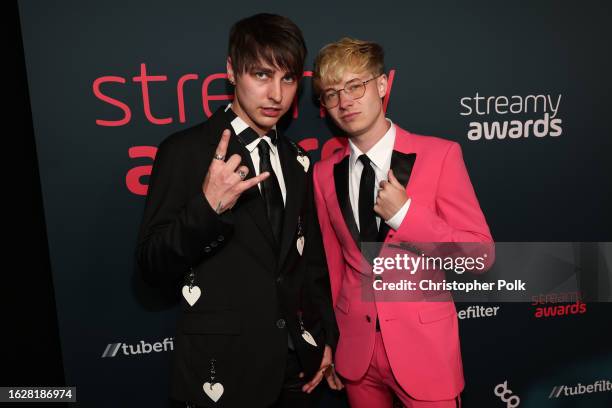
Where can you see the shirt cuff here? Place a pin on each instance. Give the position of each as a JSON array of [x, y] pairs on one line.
[[395, 221]]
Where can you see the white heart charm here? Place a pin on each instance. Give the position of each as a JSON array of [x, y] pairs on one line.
[[191, 295], [214, 391], [304, 161], [300, 245], [309, 339]]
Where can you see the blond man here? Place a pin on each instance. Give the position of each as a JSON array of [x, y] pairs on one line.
[[388, 185]]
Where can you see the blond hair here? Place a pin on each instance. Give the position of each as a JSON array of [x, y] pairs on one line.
[[345, 54]]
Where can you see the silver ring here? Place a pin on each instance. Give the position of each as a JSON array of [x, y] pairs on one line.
[[219, 207], [241, 174], [219, 157]]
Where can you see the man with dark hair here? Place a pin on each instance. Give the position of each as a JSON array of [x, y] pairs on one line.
[[230, 212]]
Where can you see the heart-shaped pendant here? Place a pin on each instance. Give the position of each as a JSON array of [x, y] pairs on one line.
[[300, 245], [214, 391], [308, 338], [304, 161], [192, 294]]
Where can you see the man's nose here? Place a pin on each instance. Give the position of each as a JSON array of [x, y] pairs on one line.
[[275, 92], [344, 101]]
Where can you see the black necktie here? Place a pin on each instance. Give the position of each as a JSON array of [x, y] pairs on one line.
[[368, 231], [270, 190]]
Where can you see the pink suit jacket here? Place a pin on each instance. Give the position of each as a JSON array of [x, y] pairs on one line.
[[421, 338]]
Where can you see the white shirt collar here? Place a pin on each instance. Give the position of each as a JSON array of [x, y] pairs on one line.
[[253, 145], [239, 126], [380, 153]]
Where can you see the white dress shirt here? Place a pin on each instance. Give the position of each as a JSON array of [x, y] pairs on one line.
[[380, 157], [239, 125]]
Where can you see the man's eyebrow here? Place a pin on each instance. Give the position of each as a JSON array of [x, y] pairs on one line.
[[261, 68], [271, 70], [331, 88], [353, 79]]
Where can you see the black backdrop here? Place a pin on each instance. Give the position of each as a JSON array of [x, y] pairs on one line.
[[549, 188]]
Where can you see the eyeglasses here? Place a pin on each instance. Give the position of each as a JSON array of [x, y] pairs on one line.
[[355, 89]]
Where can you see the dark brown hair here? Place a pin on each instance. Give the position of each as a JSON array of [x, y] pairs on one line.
[[268, 38]]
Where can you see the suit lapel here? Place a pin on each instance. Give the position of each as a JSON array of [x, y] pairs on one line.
[[293, 175], [251, 200], [401, 164], [341, 181]]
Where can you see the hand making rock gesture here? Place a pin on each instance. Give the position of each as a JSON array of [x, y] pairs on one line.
[[225, 180]]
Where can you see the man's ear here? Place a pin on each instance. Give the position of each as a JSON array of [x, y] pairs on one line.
[[381, 85], [230, 71]]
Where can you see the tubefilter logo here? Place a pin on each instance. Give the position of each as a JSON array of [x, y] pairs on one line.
[[579, 389], [142, 347]]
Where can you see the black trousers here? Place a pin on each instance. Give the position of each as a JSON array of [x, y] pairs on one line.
[[291, 395]]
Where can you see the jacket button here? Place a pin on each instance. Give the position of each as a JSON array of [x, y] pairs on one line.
[[280, 323], [368, 318], [279, 279], [207, 248], [214, 244], [220, 238]]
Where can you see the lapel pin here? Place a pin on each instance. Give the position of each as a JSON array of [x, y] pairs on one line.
[[300, 241], [191, 292], [304, 161], [300, 245], [305, 333], [213, 389]]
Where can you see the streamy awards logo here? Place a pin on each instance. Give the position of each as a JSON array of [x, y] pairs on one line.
[[512, 117]]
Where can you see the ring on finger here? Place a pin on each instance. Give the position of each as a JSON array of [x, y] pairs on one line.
[[241, 174], [219, 157]]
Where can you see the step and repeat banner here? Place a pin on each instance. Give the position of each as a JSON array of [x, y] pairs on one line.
[[523, 87]]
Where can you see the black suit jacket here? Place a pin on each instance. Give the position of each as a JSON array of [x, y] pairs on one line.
[[253, 290]]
